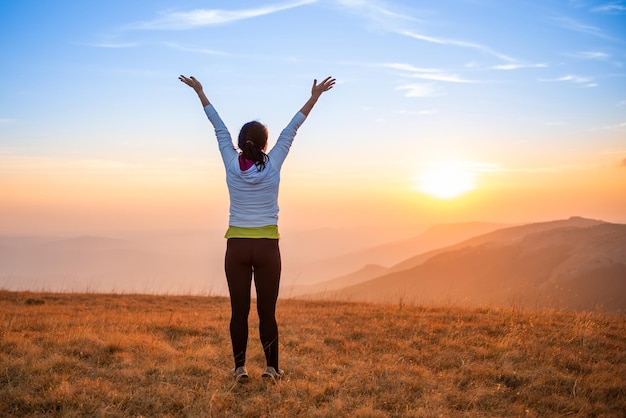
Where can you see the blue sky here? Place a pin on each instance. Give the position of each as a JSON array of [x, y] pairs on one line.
[[89, 88]]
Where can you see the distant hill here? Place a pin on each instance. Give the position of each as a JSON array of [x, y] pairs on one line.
[[502, 236], [323, 269], [105, 264], [445, 234], [572, 264], [368, 272]]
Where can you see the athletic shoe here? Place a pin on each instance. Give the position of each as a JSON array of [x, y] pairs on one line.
[[271, 373], [240, 374]]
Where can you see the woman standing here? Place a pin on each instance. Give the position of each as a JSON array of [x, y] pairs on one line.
[[253, 177]]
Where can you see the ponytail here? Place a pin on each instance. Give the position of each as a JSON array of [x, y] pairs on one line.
[[252, 141]]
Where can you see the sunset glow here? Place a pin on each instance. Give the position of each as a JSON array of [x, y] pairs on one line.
[[442, 112], [446, 180]]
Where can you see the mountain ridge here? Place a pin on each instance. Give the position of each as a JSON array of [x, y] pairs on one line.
[[390, 253], [545, 264]]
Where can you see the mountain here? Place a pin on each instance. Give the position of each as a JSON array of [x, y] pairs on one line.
[[502, 236], [572, 264], [388, 254], [432, 236]]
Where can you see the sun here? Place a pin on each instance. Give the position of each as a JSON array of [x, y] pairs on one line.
[[446, 180]]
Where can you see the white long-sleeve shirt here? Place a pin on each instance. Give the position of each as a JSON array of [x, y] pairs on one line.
[[253, 193]]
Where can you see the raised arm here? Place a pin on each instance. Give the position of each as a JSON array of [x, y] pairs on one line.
[[224, 139], [316, 92], [279, 151], [195, 84]]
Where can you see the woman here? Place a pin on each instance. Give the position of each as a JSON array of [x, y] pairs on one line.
[[253, 177]]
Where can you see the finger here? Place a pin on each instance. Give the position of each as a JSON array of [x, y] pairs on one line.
[[328, 80]]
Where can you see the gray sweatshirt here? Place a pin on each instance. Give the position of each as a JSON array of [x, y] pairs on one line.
[[253, 193]]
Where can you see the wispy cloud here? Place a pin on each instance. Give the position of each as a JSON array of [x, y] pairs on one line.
[[509, 66], [459, 43], [585, 81], [574, 25], [623, 163], [615, 7], [207, 17], [574, 78], [425, 112], [408, 67], [513, 66], [595, 56], [447, 78], [392, 21], [617, 126], [590, 55], [418, 90], [427, 73], [376, 12], [196, 50]]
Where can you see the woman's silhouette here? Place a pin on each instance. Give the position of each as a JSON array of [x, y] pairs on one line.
[[253, 177]]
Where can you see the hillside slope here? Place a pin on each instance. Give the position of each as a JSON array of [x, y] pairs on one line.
[[389, 254], [564, 267], [411, 247]]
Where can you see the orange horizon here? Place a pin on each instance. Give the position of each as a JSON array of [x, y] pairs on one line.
[[57, 202]]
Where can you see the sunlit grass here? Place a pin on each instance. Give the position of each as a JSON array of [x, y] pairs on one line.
[[145, 355]]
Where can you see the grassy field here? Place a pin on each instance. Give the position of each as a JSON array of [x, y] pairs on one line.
[[146, 355]]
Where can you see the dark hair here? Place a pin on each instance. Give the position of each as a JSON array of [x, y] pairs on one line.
[[252, 141]]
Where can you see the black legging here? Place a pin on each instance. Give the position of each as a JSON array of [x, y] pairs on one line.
[[243, 257]]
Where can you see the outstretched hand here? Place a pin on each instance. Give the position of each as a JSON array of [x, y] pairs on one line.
[[191, 82], [316, 92], [195, 84], [320, 88]]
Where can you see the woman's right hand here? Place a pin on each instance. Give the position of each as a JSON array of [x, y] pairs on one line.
[[316, 92], [320, 88]]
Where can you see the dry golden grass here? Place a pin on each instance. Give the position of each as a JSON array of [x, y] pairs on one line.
[[133, 355]]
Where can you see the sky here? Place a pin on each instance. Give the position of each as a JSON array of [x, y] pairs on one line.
[[447, 111]]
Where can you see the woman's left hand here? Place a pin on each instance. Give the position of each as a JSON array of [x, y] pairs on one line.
[[191, 82]]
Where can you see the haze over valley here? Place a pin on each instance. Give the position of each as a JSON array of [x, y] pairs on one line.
[[575, 264]]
